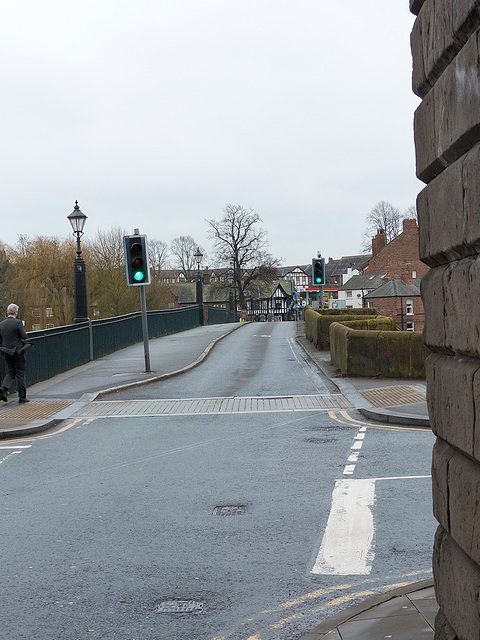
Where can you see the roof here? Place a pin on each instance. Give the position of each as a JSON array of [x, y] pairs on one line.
[[186, 292], [283, 271], [369, 282], [339, 267], [394, 288], [262, 290]]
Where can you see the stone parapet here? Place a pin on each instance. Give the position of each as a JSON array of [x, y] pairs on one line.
[[441, 30], [452, 310], [452, 399], [457, 585], [447, 122], [450, 228], [446, 75]]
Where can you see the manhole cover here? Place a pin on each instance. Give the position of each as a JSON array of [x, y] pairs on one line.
[[230, 510], [180, 606]]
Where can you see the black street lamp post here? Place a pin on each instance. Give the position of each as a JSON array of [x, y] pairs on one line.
[[198, 255], [77, 220], [235, 290]]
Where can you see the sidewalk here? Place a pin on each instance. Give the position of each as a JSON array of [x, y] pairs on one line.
[[404, 614], [60, 397]]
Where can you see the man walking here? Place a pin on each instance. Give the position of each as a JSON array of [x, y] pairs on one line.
[[12, 337]]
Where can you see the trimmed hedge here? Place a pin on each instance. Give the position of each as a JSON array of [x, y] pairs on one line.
[[364, 311], [385, 354]]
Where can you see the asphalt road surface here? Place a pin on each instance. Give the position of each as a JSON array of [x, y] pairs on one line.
[[207, 523]]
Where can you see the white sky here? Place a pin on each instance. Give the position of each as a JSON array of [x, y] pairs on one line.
[[157, 113]]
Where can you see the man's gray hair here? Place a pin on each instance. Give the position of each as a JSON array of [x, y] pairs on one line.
[[12, 309]]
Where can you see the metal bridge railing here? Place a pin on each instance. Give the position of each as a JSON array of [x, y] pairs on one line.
[[60, 349]]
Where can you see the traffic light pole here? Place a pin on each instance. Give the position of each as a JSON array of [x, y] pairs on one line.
[[143, 305]]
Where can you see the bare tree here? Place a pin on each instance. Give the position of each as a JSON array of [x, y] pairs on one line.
[[157, 256], [383, 216], [240, 242], [183, 249]]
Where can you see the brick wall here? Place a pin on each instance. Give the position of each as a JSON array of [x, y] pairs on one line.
[[446, 75], [396, 308], [401, 253]]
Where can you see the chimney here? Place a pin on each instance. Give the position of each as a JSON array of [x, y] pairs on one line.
[[409, 223], [378, 241], [388, 276], [407, 274], [206, 276]]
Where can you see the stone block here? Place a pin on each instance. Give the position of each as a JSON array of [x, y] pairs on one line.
[[463, 496], [441, 218], [451, 402], [416, 5], [443, 629], [449, 224], [462, 307], [432, 290], [442, 454], [428, 163], [457, 586], [471, 191], [440, 31], [447, 122], [466, 16], [433, 44]]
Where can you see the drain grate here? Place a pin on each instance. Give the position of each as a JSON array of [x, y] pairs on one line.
[[180, 606], [230, 510]]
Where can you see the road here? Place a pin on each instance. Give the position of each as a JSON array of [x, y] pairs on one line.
[[155, 517]]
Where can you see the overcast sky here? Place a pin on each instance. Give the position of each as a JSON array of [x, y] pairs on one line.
[[157, 113]]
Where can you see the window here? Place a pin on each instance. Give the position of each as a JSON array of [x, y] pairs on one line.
[[349, 294], [36, 327], [96, 313], [409, 307], [414, 274], [370, 304], [36, 313], [50, 326], [49, 312], [410, 326]]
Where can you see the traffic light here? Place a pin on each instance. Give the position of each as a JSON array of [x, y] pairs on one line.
[[318, 272], [136, 260]]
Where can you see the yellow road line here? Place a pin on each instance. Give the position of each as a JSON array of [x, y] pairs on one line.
[[359, 423]]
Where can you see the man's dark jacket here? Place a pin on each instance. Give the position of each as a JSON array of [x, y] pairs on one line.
[[12, 335]]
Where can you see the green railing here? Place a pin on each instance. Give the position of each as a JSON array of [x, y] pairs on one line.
[[58, 350]]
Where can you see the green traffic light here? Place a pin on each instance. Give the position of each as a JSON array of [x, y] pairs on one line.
[[138, 276], [318, 280]]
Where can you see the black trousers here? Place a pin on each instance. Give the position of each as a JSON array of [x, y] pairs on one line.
[[15, 369]]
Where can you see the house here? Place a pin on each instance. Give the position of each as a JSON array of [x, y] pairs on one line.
[[335, 270], [354, 291], [400, 256], [399, 300], [271, 299], [301, 275]]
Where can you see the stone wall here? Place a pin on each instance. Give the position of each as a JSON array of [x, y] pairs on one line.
[[446, 75]]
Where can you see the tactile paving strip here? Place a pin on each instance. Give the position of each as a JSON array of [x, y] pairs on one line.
[[393, 396], [21, 414]]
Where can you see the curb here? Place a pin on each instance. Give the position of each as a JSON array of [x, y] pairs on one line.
[[38, 426], [395, 418], [330, 624], [171, 374]]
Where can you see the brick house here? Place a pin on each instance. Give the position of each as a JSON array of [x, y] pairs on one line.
[[399, 300], [400, 256]]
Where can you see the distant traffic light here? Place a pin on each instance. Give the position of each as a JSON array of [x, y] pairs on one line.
[[318, 272], [136, 260]]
